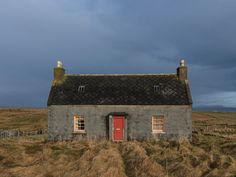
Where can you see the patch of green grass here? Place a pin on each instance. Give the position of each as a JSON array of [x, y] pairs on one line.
[[41, 138], [1, 157], [34, 121], [207, 142], [73, 152], [77, 153], [227, 162], [194, 160], [174, 144], [229, 149], [8, 145], [33, 149], [203, 157], [9, 164]]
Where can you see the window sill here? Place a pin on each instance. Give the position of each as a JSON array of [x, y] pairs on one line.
[[158, 132], [79, 132]]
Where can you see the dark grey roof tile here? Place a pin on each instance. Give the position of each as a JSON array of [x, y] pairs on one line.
[[120, 90]]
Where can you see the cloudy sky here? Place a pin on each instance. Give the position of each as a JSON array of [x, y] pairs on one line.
[[117, 36]]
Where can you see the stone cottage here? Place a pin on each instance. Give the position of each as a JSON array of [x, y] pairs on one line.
[[120, 107]]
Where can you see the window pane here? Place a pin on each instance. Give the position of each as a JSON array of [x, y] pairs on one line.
[[79, 123], [158, 123]]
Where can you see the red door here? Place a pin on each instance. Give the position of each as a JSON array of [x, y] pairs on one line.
[[118, 131]]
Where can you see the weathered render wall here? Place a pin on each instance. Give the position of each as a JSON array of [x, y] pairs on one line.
[[178, 121]]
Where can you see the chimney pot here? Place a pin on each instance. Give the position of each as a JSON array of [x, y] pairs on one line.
[[59, 64], [182, 63]]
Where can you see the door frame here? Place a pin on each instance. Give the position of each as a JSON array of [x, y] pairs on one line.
[[111, 126]]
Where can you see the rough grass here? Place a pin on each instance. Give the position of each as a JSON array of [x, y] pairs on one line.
[[23, 119], [213, 118], [137, 162], [31, 157], [34, 156]]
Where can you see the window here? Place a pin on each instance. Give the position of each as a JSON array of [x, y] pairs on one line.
[[157, 88], [158, 124], [81, 89], [60, 91], [79, 124]]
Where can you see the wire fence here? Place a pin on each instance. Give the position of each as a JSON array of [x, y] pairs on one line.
[[220, 130], [19, 133]]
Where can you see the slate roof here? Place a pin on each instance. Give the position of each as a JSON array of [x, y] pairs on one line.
[[123, 89]]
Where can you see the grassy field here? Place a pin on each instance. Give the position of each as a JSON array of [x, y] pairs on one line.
[[23, 119], [212, 151]]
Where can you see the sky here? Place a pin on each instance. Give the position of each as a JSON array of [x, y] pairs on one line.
[[117, 36]]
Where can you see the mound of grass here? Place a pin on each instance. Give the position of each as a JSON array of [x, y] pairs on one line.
[[137, 162]]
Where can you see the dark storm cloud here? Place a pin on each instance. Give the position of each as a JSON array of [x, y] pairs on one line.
[[117, 37], [202, 31]]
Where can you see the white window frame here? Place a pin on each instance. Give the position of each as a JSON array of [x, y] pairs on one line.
[[157, 88], [81, 89], [78, 125], [158, 124]]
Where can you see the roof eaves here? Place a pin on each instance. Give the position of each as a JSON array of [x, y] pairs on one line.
[[162, 74]]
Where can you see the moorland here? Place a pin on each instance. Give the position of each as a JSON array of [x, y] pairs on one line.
[[211, 152]]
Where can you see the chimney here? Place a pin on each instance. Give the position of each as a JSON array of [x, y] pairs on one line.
[[59, 72], [182, 71]]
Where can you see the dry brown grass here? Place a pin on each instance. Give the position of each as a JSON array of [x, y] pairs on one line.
[[214, 118], [205, 155], [36, 157], [27, 157], [23, 119]]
